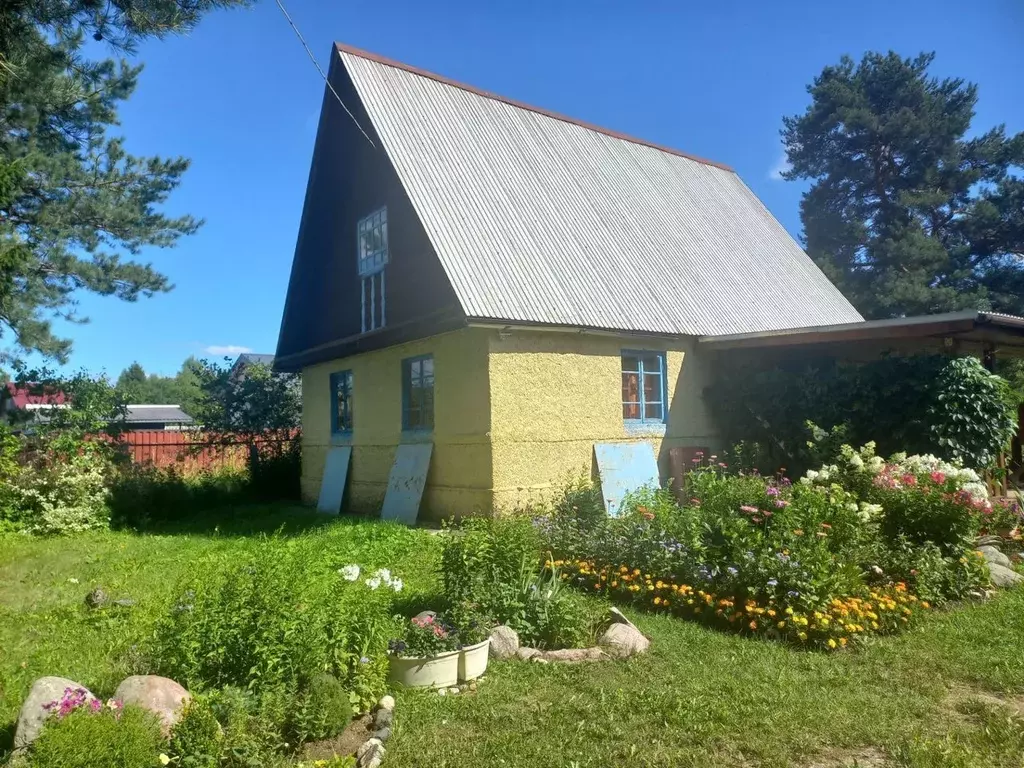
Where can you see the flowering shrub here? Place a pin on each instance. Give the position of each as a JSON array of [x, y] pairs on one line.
[[921, 498], [61, 496]]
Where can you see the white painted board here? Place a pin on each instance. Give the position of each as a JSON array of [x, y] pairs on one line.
[[406, 482], [332, 486]]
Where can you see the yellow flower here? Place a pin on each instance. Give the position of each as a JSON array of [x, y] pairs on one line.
[[802, 635], [842, 641], [657, 601], [781, 625], [831, 643], [164, 759]]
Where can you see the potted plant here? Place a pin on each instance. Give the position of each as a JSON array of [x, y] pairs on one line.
[[426, 657], [473, 631]]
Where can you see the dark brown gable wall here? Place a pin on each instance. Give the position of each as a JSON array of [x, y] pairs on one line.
[[349, 179]]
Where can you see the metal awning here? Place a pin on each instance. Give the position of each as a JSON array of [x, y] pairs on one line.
[[990, 330]]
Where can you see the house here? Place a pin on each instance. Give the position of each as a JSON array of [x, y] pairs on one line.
[[515, 287], [148, 416], [247, 359], [20, 403]]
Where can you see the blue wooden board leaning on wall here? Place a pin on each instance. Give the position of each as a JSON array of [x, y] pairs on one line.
[[406, 482], [624, 468], [332, 486]]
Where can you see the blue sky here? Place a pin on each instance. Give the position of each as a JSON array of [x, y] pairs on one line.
[[241, 99]]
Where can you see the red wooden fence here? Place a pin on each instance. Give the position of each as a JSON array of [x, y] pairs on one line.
[[188, 450]]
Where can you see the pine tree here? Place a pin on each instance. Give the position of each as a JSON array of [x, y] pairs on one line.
[[75, 207], [130, 383], [905, 213]]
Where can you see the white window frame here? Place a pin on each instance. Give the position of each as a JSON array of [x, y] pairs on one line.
[[372, 242]]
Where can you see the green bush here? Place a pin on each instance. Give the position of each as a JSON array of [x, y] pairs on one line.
[[106, 739], [197, 740], [323, 710], [252, 727], [60, 494], [495, 564], [145, 495], [275, 618], [926, 404]]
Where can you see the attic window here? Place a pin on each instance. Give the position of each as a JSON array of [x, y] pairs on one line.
[[372, 242]]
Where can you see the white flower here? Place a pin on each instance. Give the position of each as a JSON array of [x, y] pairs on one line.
[[384, 575], [976, 491], [875, 465], [811, 476], [876, 569], [72, 581], [868, 511], [373, 583], [856, 461], [349, 572], [396, 584]]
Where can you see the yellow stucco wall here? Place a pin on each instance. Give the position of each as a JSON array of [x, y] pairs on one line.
[[554, 394], [516, 415], [459, 480]]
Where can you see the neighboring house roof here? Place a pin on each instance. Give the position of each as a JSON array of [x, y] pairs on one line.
[[31, 396], [248, 358], [539, 219], [166, 414]]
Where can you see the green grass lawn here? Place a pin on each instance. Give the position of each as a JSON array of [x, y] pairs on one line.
[[941, 695]]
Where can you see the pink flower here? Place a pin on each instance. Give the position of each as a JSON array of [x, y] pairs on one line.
[[772, 490], [938, 477], [749, 509]]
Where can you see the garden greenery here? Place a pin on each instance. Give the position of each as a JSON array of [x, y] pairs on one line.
[[858, 547], [926, 404], [104, 738], [494, 565]]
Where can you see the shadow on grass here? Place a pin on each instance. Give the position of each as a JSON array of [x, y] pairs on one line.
[[241, 520]]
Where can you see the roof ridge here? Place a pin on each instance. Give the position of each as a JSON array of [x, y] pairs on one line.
[[360, 53]]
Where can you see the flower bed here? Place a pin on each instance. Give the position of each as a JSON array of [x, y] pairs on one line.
[[879, 611], [858, 548]]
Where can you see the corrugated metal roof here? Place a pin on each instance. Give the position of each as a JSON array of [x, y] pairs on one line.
[[538, 219], [168, 414]]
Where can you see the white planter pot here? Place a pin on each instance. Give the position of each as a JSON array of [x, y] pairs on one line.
[[440, 671], [473, 660]]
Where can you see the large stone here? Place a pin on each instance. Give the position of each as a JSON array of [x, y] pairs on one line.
[[386, 702], [371, 753], [1003, 576], [620, 618], [160, 695], [97, 598], [526, 653], [504, 643], [993, 555], [623, 641], [34, 711]]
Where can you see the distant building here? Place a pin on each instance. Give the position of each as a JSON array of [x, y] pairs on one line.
[[247, 359], [21, 403], [146, 416]]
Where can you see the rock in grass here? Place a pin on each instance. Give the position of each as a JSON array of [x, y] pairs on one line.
[[371, 753], [383, 734], [504, 643], [575, 655], [993, 555], [34, 710], [623, 641], [526, 653], [97, 598], [620, 618], [386, 702], [1003, 576], [383, 718], [160, 695]]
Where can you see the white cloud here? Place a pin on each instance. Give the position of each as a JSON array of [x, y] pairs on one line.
[[781, 166], [225, 349]]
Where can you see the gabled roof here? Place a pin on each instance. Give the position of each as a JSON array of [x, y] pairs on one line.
[[539, 219], [249, 358]]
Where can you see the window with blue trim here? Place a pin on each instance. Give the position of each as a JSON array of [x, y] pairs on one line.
[[643, 387], [418, 393], [341, 402]]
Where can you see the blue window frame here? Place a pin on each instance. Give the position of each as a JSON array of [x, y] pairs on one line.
[[418, 393], [643, 387], [341, 402]]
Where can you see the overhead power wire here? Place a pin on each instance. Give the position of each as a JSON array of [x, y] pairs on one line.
[[319, 69]]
